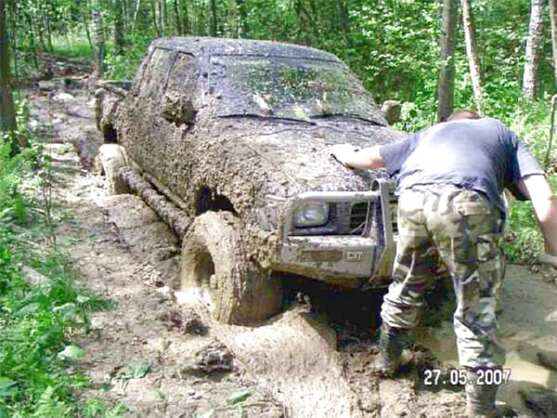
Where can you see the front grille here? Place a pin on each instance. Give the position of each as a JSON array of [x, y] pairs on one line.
[[358, 216]]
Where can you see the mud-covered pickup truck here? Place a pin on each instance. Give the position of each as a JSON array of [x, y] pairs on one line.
[[228, 140]]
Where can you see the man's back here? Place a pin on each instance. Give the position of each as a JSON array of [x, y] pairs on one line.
[[482, 155]]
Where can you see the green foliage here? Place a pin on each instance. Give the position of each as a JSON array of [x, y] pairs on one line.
[[41, 308], [74, 46], [124, 66]]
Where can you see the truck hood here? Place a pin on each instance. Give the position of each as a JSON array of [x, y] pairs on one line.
[[302, 156]]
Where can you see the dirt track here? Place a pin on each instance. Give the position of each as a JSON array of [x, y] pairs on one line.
[[145, 354]]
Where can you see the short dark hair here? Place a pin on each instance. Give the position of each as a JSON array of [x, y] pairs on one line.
[[463, 114]]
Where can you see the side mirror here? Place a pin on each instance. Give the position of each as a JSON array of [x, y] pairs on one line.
[[178, 110], [392, 110]]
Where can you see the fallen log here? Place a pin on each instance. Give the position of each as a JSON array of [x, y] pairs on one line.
[[168, 212]]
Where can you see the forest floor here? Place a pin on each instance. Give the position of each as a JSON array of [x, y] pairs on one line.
[[162, 356]]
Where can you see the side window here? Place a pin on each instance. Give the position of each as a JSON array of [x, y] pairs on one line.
[[182, 78], [177, 103], [156, 73]]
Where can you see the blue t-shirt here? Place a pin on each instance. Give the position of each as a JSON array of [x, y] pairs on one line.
[[479, 154]]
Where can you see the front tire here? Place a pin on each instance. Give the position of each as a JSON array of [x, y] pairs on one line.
[[216, 269], [112, 158]]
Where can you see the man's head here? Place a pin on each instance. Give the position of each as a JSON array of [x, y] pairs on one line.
[[463, 114]]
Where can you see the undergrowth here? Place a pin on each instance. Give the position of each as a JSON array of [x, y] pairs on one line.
[[42, 309]]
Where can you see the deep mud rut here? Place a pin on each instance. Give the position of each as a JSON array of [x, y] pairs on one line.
[[161, 355]]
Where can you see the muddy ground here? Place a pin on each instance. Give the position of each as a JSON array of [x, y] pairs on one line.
[[163, 356]]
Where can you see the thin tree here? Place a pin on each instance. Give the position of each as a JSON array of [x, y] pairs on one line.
[[154, 13], [213, 28], [162, 16], [118, 27], [84, 11], [242, 11], [179, 26], [98, 37], [533, 50], [344, 21], [187, 24], [7, 109], [135, 14], [471, 51], [445, 90], [553, 18]]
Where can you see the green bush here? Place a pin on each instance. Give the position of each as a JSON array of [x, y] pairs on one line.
[[38, 317]]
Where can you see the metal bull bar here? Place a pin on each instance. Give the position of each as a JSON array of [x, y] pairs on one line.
[[381, 190]]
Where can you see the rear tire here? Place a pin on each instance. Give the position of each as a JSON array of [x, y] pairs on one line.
[[217, 271], [113, 158]]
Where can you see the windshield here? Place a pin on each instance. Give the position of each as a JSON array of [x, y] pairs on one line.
[[289, 88]]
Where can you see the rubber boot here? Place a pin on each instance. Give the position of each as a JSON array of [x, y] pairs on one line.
[[480, 400], [390, 350]]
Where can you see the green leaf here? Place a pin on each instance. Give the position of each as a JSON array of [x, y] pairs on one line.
[[28, 309], [7, 387], [238, 397], [137, 370], [71, 352]]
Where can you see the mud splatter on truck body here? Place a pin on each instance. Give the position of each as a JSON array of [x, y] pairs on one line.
[[244, 127]]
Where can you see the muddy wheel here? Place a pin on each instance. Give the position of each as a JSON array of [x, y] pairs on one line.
[[216, 270], [112, 158]]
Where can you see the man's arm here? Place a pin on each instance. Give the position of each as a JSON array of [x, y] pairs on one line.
[[364, 159], [537, 188]]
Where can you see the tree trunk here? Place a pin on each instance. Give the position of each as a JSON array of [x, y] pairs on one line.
[[7, 108], [187, 24], [32, 36], [213, 4], [84, 15], [344, 20], [98, 37], [471, 52], [445, 91], [118, 28], [162, 16], [244, 26], [135, 14], [154, 12], [179, 27], [533, 50], [553, 18], [48, 32]]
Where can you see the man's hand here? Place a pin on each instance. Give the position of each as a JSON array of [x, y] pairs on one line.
[[364, 159], [343, 153]]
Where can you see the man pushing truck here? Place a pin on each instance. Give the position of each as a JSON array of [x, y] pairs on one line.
[[450, 179]]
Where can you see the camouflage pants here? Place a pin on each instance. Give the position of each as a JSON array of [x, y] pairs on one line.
[[461, 229]]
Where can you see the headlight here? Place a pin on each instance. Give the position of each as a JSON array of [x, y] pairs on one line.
[[312, 214]]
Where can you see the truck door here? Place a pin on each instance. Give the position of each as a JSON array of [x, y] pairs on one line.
[[143, 114], [179, 110]]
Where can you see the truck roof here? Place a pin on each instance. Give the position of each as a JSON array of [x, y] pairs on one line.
[[200, 46]]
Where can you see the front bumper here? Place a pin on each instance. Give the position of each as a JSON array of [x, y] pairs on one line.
[[343, 259]]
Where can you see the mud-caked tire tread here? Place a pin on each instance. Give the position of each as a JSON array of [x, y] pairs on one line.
[[244, 295], [112, 158]]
